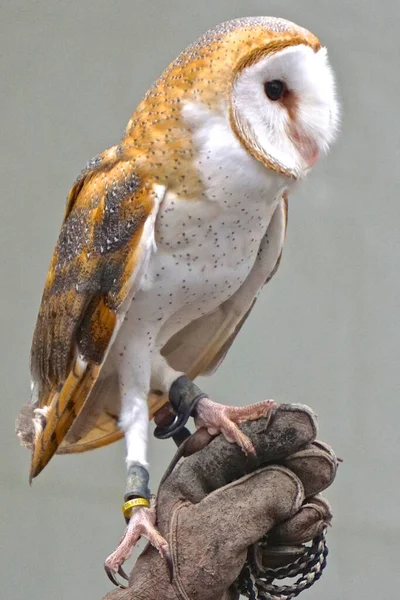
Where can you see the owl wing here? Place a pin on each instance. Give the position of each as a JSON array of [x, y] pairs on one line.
[[200, 347], [105, 241], [197, 349]]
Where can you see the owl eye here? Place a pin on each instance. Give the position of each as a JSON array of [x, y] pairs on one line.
[[274, 89]]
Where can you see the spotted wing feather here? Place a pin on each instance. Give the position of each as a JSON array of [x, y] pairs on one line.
[[105, 238]]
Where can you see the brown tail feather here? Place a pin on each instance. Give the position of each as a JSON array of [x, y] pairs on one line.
[[53, 423]]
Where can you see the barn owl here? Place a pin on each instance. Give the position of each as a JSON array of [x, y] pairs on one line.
[[166, 241]]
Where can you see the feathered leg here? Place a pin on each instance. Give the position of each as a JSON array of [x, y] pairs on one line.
[[133, 355]]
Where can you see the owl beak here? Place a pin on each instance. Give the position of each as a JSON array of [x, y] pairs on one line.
[[306, 147], [311, 157]]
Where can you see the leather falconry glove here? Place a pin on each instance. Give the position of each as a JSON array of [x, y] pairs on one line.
[[219, 509]]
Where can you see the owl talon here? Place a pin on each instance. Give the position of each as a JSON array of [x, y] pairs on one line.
[[217, 418], [122, 573], [111, 576], [141, 523], [169, 563]]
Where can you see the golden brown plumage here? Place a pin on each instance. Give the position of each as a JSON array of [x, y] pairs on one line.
[[89, 277]]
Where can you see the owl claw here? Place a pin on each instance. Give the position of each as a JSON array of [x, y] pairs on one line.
[[122, 573], [217, 418], [111, 576], [141, 523], [168, 561]]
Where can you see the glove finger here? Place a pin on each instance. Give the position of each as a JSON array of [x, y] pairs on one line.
[[288, 428], [316, 467], [253, 504], [209, 540], [284, 541], [308, 522]]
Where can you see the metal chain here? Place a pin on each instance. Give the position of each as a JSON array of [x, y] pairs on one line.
[[258, 585]]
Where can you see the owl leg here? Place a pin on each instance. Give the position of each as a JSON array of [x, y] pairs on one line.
[[187, 399], [141, 523], [134, 364]]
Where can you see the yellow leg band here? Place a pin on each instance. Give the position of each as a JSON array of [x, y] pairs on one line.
[[127, 506]]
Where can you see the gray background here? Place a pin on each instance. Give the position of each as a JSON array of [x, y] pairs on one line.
[[325, 332]]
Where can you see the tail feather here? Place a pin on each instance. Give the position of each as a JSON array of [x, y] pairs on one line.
[[53, 423]]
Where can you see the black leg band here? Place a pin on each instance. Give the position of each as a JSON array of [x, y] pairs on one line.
[[183, 397], [137, 483]]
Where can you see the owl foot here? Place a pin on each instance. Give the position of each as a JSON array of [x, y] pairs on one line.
[[141, 523], [217, 418]]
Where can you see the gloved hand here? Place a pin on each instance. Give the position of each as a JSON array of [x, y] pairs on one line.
[[217, 503]]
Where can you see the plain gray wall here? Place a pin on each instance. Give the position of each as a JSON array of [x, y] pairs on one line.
[[324, 332]]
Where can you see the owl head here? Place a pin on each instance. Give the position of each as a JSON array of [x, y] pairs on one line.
[[283, 104], [269, 78]]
